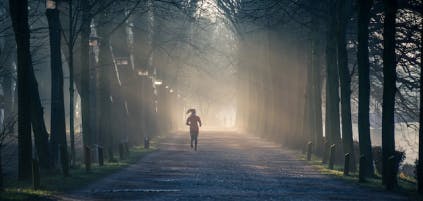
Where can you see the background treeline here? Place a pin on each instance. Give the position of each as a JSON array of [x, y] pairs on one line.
[[313, 71], [79, 75]]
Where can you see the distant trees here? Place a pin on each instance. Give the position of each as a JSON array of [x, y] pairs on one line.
[[30, 108], [381, 39]]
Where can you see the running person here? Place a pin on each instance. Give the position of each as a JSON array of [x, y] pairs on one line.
[[193, 122]]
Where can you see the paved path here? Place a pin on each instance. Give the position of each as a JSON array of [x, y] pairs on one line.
[[227, 166]]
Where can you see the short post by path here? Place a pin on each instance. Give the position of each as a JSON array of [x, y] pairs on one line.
[[347, 164], [309, 150], [146, 142], [121, 154], [87, 158], [332, 156], [325, 152], [100, 155]]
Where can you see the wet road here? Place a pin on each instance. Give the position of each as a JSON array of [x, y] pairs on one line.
[[227, 166]]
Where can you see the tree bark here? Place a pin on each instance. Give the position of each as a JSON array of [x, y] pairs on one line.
[[389, 89], [105, 63], [85, 75], [58, 124], [364, 87], [345, 79], [19, 17], [38, 124], [332, 84], [316, 91], [71, 85]]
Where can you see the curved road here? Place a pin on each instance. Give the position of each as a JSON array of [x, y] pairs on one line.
[[227, 166]]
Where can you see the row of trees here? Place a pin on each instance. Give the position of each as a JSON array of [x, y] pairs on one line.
[[117, 104], [130, 62], [366, 52]]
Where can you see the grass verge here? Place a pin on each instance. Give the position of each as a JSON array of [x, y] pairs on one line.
[[406, 185], [55, 183]]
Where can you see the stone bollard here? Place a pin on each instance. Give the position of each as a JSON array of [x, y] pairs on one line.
[[121, 154], [332, 156], [347, 164], [64, 159], [127, 149], [146, 142], [35, 174], [87, 158], [100, 155], [325, 152], [309, 150], [361, 170]]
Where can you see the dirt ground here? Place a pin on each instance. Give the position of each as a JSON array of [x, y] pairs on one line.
[[227, 166]]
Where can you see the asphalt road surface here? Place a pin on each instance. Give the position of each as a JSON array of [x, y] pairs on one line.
[[227, 166]]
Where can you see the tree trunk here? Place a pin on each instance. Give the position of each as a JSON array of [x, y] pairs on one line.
[[332, 85], [58, 124], [308, 118], [389, 88], [36, 114], [19, 17], [87, 127], [345, 80], [419, 170], [364, 88], [38, 124], [71, 85], [317, 91], [105, 63]]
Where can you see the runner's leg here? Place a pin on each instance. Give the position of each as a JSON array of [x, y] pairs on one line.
[[192, 138], [196, 139]]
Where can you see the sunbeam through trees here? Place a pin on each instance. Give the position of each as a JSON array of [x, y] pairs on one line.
[[92, 86]]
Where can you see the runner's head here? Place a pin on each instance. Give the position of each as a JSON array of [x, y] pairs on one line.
[[192, 111]]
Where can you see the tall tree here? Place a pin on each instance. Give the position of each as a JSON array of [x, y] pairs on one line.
[[365, 144], [70, 44], [343, 10], [316, 92], [36, 114], [332, 81], [58, 124], [85, 73], [389, 88], [105, 65], [38, 125], [19, 16]]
